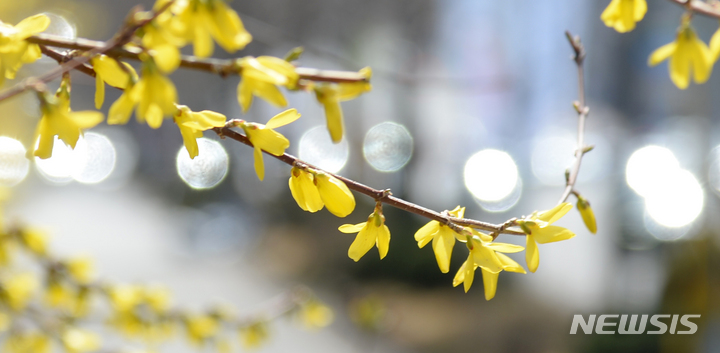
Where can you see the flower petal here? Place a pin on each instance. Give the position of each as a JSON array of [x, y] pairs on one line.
[[490, 283], [551, 234], [662, 53], [555, 213], [352, 228], [504, 247], [335, 194], [283, 119], [425, 234], [383, 241], [532, 255], [443, 244], [259, 166], [509, 264], [364, 241]]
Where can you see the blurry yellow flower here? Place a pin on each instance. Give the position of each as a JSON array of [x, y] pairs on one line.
[[443, 239], [59, 296], [488, 256], [201, 327], [31, 342], [34, 240], [161, 37], [372, 232], [335, 194], [108, 70], [254, 336], [261, 76], [5, 321], [314, 314], [264, 138], [155, 95], [369, 313], [538, 230], [158, 299], [192, 124], [14, 50], [587, 214], [623, 14], [687, 53], [58, 120], [81, 269], [211, 19], [304, 191], [79, 341], [125, 297], [6, 249], [331, 94], [122, 108], [19, 289]]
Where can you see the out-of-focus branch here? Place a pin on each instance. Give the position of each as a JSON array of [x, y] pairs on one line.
[[216, 66], [701, 7], [582, 110], [122, 37]]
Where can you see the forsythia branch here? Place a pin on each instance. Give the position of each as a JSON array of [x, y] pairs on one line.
[[701, 7]]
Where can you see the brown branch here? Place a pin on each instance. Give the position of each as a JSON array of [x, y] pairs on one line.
[[216, 66], [701, 7], [122, 37], [63, 58], [582, 110], [381, 195]]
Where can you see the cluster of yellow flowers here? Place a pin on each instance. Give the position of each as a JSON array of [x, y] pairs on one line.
[[56, 300], [689, 57]]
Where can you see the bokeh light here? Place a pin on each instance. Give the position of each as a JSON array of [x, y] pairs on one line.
[[317, 148], [60, 26], [647, 168], [58, 168], [551, 156], [714, 169], [388, 147], [94, 159], [14, 166], [491, 175], [679, 202], [207, 169]]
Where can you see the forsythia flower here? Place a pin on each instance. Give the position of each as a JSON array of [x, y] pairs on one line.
[[488, 256], [334, 194], [211, 19], [331, 94], [18, 290], [81, 269], [264, 138], [587, 214], [304, 191], [108, 70], [443, 239], [623, 14], [715, 46], [538, 230], [161, 37], [58, 120], [14, 50], [192, 124], [687, 53], [35, 240], [31, 342], [314, 314], [155, 95], [79, 341], [261, 76], [254, 335], [201, 327], [372, 232]]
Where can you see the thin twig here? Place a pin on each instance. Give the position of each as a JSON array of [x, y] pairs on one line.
[[122, 37], [701, 7], [216, 66], [381, 195], [582, 111]]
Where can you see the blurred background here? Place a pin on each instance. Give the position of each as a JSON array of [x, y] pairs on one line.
[[471, 105]]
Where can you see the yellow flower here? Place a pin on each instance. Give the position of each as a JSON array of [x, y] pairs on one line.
[[488, 256], [158, 299], [108, 70], [81, 269], [155, 96], [161, 38], [19, 289], [58, 120], [122, 108], [254, 336], [334, 194], [587, 214], [27, 342], [443, 239], [201, 327], [538, 230], [124, 298], [331, 94], [14, 50], [314, 314], [623, 14], [304, 191], [264, 138], [261, 76], [192, 124], [687, 53], [211, 19], [372, 232], [34, 240], [79, 341]]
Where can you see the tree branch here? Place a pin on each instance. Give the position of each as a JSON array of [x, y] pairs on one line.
[[216, 66], [701, 7]]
